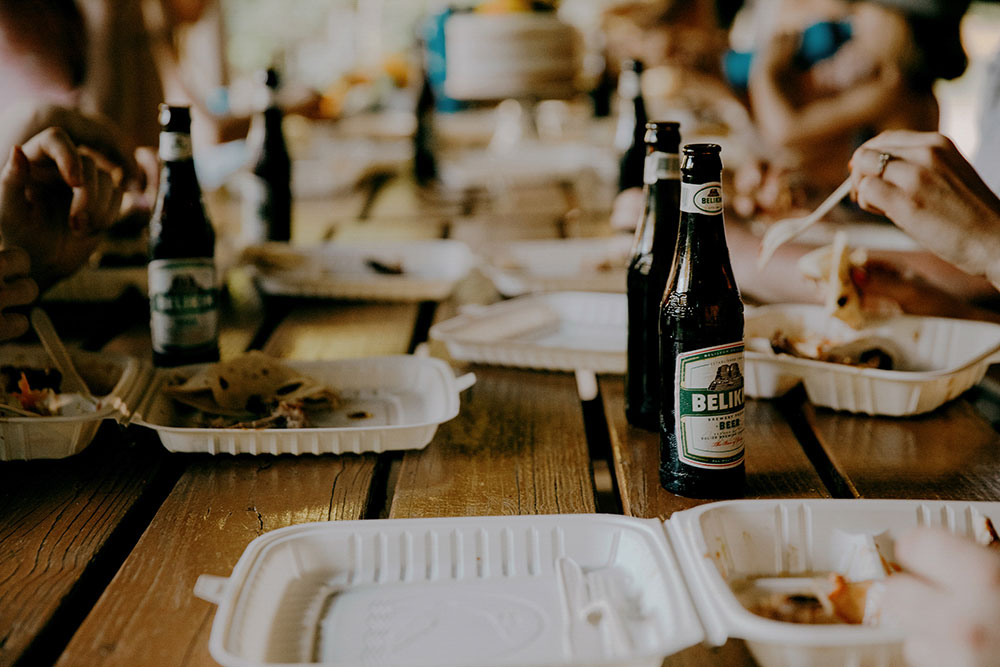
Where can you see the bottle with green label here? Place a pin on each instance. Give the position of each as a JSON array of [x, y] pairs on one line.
[[648, 269], [701, 350], [183, 294]]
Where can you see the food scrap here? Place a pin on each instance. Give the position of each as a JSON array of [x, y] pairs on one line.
[[858, 353], [385, 268], [834, 268], [252, 391], [36, 391]]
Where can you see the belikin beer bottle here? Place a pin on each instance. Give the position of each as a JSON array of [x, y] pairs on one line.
[[701, 353], [183, 296], [267, 192], [648, 269], [631, 127]]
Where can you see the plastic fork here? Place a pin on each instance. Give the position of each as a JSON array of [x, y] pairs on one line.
[[785, 230]]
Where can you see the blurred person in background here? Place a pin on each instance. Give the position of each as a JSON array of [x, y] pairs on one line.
[[811, 118]]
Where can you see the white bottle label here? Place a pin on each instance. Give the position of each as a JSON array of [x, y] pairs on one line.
[[662, 167], [704, 198], [708, 406], [182, 304], [175, 146]]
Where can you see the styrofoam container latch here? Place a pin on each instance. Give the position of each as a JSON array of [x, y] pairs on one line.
[[211, 588]]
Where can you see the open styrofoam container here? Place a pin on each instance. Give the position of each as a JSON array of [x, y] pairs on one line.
[[553, 331], [340, 270], [109, 377], [554, 590], [552, 265], [402, 398], [940, 359]]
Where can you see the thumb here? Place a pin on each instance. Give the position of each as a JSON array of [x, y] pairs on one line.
[[13, 179]]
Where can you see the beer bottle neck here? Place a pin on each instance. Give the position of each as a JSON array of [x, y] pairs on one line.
[[702, 256], [656, 231], [175, 147]]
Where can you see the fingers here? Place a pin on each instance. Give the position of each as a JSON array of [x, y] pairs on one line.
[[948, 561], [55, 145], [13, 180], [16, 289], [899, 139], [95, 204], [97, 133]]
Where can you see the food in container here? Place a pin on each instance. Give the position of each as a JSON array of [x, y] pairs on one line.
[[559, 590], [37, 436]]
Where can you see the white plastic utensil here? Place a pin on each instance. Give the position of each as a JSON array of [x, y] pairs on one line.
[[785, 230], [72, 381]]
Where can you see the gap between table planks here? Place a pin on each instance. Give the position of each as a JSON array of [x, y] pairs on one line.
[[777, 467], [149, 613]]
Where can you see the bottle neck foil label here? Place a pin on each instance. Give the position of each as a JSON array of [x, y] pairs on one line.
[[175, 146], [183, 304], [704, 198], [708, 406], [662, 167]]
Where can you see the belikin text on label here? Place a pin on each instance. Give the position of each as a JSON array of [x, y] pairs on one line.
[[704, 198]]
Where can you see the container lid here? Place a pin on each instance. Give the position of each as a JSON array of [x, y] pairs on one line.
[[471, 591]]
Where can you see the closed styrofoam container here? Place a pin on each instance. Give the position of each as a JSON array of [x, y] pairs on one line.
[[552, 265], [431, 269], [553, 331], [553, 590], [110, 376], [404, 399], [940, 359]]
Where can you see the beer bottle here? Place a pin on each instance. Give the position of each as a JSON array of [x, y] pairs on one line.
[[425, 169], [183, 296], [701, 351], [631, 126], [267, 193], [648, 269]]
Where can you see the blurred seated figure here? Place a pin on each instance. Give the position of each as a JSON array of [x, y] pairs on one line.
[[60, 188], [810, 119]]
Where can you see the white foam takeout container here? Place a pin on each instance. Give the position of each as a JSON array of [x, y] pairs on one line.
[[556, 590], [403, 399], [552, 265], [108, 375], [431, 269], [553, 331], [940, 359]]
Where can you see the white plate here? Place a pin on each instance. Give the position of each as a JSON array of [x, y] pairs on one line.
[[431, 269], [556, 331], [24, 438], [407, 397], [588, 265], [554, 590], [944, 358]]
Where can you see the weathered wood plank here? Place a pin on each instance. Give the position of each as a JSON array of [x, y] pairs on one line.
[[517, 447], [951, 453]]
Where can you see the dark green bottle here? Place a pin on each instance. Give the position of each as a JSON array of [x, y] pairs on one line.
[[648, 270], [701, 352]]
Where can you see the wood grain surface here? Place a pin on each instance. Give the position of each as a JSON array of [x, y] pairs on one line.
[[60, 525], [517, 447], [951, 453]]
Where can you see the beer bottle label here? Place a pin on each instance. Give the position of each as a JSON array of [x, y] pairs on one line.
[[708, 406], [704, 198], [182, 304], [175, 146], [662, 167]]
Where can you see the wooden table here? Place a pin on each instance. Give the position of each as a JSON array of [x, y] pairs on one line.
[[99, 553]]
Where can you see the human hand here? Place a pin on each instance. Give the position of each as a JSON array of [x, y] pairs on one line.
[[27, 120], [927, 188], [947, 600], [16, 289], [55, 201]]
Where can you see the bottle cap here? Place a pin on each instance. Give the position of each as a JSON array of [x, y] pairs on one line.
[[270, 78], [630, 65], [663, 135], [702, 149], [175, 118]]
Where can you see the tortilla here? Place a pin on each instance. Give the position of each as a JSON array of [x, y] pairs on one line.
[[832, 266], [247, 386]]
